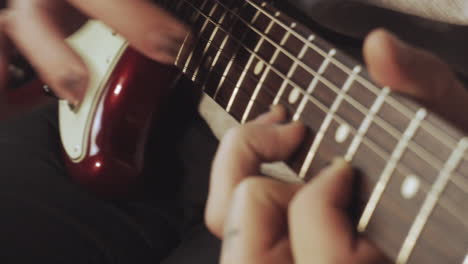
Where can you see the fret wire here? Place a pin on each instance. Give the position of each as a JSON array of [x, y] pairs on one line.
[[434, 131], [244, 72], [406, 111], [179, 53], [215, 60], [285, 82], [291, 70], [389, 169], [372, 145], [421, 152], [212, 10], [326, 123], [431, 201], [262, 79], [221, 48], [377, 150], [394, 132], [314, 82], [364, 127], [432, 161], [213, 34], [234, 56]]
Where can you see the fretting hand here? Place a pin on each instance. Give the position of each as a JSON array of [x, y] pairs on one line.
[[264, 221], [37, 28]]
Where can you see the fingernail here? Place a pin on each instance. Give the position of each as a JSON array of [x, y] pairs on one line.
[[276, 114], [277, 109], [338, 164], [403, 50]]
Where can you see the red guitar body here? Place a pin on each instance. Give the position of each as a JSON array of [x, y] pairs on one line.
[[130, 100]]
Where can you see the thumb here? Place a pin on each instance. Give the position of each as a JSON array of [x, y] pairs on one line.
[[320, 228], [416, 73], [240, 154]]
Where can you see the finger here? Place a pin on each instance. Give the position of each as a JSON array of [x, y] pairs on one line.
[[58, 65], [256, 228], [416, 73], [278, 114], [149, 28], [240, 154], [319, 225]]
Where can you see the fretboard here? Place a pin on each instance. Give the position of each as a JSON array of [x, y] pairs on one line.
[[248, 55]]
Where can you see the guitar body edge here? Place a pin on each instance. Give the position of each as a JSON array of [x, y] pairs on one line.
[[119, 125]]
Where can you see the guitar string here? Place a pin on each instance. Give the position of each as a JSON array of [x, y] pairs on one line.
[[445, 203], [420, 151], [371, 87], [434, 162], [214, 23]]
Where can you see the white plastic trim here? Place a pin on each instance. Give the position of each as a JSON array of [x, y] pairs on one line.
[[101, 49]]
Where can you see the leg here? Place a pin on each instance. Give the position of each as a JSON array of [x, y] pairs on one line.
[[47, 218]]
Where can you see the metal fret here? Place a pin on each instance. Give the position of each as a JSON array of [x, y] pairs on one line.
[[246, 69], [213, 9], [431, 201], [210, 40], [284, 39], [264, 75], [388, 170], [326, 123], [314, 83], [176, 62], [366, 124], [187, 37], [231, 61], [291, 70], [215, 60]]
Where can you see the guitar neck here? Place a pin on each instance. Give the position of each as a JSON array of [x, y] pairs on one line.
[[248, 55]]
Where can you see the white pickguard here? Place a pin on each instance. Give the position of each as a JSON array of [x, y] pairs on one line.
[[100, 48]]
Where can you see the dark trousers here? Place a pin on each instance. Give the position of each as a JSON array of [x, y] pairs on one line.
[[47, 218]]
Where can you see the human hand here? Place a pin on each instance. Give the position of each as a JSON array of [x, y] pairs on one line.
[[265, 221], [37, 28]]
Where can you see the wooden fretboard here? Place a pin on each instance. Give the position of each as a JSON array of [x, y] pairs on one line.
[[248, 55]]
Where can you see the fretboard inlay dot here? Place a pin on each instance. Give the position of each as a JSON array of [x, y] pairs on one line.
[[259, 67], [251, 55], [342, 133], [410, 186], [294, 95]]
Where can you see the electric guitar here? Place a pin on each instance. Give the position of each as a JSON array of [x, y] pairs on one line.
[[249, 55]]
